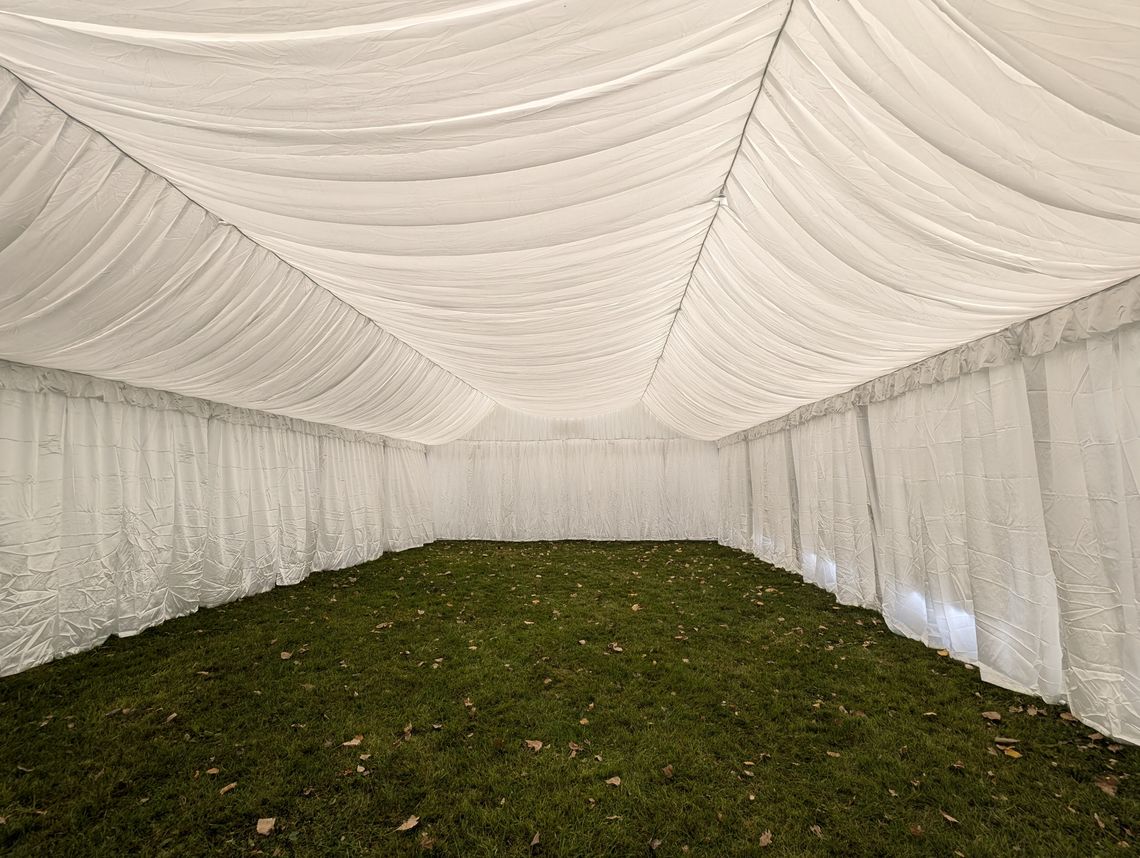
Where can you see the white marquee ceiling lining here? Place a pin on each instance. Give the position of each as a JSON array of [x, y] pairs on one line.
[[519, 191]]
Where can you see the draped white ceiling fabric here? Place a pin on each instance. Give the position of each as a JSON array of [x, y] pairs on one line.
[[402, 213]]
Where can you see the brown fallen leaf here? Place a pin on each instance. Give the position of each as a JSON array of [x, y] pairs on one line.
[[817, 831], [668, 771], [285, 656], [616, 647], [614, 781], [948, 817], [534, 744], [409, 823], [1010, 752], [171, 717], [1107, 784], [265, 825], [353, 742], [1067, 716], [583, 721], [534, 841], [766, 839], [833, 754], [227, 788], [212, 771], [654, 844], [992, 716], [943, 652]]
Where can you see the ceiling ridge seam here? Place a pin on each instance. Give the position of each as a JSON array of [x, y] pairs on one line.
[[719, 197], [223, 222]]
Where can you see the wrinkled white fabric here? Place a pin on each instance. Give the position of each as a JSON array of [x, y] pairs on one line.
[[499, 184], [914, 175], [614, 476], [116, 516], [1101, 313], [1085, 398], [633, 423], [963, 558], [516, 201], [110, 271], [837, 551], [773, 501], [942, 526], [735, 497]]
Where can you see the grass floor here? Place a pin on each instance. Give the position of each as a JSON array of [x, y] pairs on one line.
[[737, 706]]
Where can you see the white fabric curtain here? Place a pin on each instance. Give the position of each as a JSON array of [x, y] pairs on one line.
[[963, 559], [773, 500], [993, 513], [575, 488], [1085, 403], [735, 497], [837, 550], [352, 527], [122, 507], [406, 482]]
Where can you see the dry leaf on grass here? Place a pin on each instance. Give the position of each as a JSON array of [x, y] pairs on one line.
[[409, 823], [534, 744], [668, 771], [1107, 784], [285, 656], [353, 742], [654, 844], [227, 788], [265, 825], [1010, 752], [212, 771], [992, 716], [614, 781], [948, 817], [616, 647], [766, 838]]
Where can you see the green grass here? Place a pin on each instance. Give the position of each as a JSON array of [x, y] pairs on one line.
[[777, 710]]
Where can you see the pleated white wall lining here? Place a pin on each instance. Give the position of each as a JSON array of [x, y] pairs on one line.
[[122, 507], [985, 501]]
